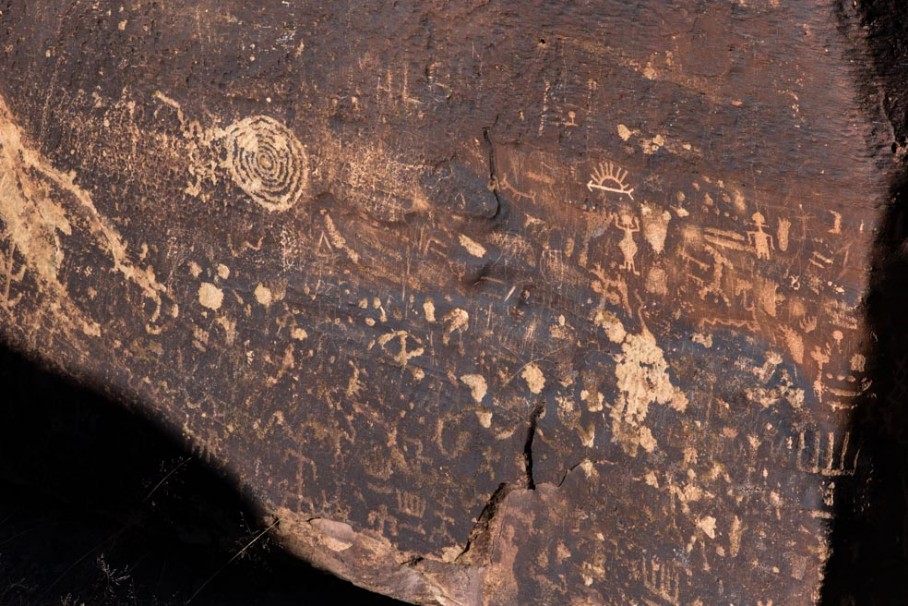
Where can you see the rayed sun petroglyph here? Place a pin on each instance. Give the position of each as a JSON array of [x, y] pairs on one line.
[[608, 177]]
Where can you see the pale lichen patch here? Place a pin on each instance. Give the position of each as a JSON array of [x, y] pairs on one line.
[[706, 340], [210, 296], [589, 469], [612, 326], [708, 525], [428, 308], [624, 132], [478, 386], [642, 377], [91, 329], [336, 536], [734, 536], [485, 418], [652, 145], [472, 246], [456, 321], [263, 295], [534, 378], [651, 479]]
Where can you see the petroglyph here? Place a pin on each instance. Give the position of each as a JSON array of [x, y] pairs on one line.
[[822, 357], [762, 242], [608, 177], [403, 355], [724, 239], [336, 239], [827, 454], [655, 227], [662, 580], [795, 344], [629, 225], [782, 233], [267, 161], [836, 223], [402, 291], [410, 503], [262, 157], [472, 246]]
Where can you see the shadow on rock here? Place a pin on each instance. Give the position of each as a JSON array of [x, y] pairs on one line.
[[100, 506]]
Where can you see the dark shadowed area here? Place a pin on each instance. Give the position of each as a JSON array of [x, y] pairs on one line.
[[99, 506], [869, 561]]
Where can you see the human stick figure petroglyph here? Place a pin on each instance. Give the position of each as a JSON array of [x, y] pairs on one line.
[[762, 241], [629, 225], [262, 157]]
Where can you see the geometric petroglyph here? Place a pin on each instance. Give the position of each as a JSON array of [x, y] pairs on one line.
[[262, 156], [267, 161]]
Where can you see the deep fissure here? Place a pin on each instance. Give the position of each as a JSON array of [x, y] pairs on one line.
[[528, 446]]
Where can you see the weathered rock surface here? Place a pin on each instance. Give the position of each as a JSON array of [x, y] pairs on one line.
[[538, 302]]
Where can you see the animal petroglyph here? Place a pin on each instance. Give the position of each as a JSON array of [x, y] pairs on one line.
[[267, 161]]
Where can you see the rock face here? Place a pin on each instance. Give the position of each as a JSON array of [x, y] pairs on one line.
[[488, 303]]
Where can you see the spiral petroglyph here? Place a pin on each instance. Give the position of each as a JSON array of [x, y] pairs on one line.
[[267, 161]]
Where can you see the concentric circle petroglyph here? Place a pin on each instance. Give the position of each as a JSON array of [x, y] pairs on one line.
[[267, 161]]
